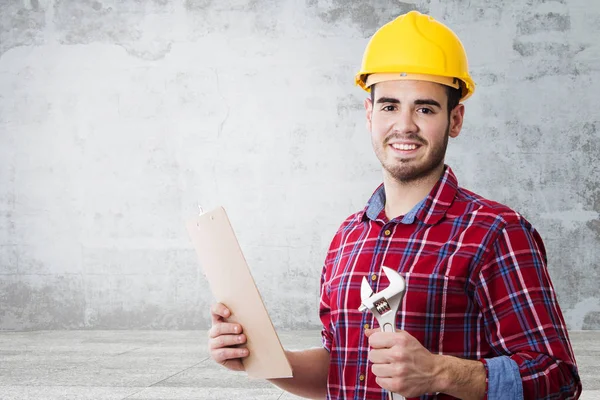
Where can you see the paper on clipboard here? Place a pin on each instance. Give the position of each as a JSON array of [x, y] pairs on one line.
[[231, 284]]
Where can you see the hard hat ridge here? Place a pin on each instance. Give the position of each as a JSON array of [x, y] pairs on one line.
[[416, 46]]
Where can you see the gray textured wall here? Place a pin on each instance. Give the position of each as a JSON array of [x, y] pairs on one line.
[[116, 117]]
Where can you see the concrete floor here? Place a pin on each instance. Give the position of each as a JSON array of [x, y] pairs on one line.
[[136, 365]]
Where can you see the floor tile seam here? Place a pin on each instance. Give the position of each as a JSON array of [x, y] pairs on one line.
[[177, 373], [148, 346], [129, 351], [133, 394], [203, 361]]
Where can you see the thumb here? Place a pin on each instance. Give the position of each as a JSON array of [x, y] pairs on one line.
[[369, 332]]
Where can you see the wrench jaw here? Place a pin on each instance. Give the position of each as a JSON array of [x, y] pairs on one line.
[[365, 294], [397, 283], [384, 305]]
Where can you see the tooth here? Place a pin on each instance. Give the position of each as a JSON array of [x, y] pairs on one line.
[[405, 146]]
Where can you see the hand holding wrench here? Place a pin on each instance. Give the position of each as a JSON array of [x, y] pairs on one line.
[[384, 305]]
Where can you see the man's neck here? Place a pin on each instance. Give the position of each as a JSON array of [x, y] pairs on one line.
[[401, 197]]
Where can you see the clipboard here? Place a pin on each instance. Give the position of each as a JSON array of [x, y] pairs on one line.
[[232, 284]]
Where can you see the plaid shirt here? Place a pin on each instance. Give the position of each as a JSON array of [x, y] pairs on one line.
[[477, 288]]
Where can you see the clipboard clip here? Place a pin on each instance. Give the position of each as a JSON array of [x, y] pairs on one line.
[[202, 212]]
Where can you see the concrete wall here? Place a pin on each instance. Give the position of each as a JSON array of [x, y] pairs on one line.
[[117, 117]]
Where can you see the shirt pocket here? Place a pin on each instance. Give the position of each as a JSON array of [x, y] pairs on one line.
[[437, 309]]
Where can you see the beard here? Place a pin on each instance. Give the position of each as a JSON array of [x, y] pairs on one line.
[[407, 171]]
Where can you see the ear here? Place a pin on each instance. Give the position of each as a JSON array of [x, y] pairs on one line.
[[456, 120], [369, 112]]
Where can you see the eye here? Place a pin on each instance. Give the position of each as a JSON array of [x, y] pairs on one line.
[[389, 107], [425, 110]]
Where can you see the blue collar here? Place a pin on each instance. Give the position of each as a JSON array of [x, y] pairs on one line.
[[377, 204]]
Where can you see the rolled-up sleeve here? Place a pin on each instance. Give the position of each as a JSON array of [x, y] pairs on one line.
[[504, 379], [522, 317]]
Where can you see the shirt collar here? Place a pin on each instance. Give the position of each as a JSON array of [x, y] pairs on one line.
[[430, 210]]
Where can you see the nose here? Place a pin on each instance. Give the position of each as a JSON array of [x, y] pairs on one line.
[[405, 122]]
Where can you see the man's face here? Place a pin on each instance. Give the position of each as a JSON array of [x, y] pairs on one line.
[[410, 126]]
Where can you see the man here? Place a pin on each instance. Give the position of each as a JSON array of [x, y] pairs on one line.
[[480, 317]]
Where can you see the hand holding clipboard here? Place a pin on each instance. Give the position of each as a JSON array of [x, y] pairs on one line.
[[231, 283]]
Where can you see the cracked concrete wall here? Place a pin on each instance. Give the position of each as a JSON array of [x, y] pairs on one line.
[[117, 117]]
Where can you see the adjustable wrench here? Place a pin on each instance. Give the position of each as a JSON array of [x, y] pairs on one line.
[[384, 305]]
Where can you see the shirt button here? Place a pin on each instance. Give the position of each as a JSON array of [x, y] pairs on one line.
[[373, 277], [387, 232], [366, 326], [361, 377]]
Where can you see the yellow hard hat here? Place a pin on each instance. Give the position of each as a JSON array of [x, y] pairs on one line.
[[416, 46]]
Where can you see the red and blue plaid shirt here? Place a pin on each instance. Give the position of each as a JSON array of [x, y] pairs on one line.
[[477, 288]]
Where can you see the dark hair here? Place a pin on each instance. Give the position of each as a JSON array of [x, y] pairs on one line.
[[454, 96]]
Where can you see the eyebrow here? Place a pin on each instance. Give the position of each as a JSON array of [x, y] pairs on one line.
[[382, 100], [429, 102]]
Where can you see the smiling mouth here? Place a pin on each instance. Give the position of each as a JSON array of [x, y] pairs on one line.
[[404, 146]]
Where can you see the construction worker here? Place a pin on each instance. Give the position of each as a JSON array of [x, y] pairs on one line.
[[479, 317]]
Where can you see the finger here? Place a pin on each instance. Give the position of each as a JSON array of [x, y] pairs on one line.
[[383, 370], [381, 356], [227, 353], [235, 364], [385, 340], [224, 328], [226, 341], [387, 383], [218, 311]]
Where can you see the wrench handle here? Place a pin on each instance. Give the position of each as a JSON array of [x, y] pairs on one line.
[[387, 327]]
